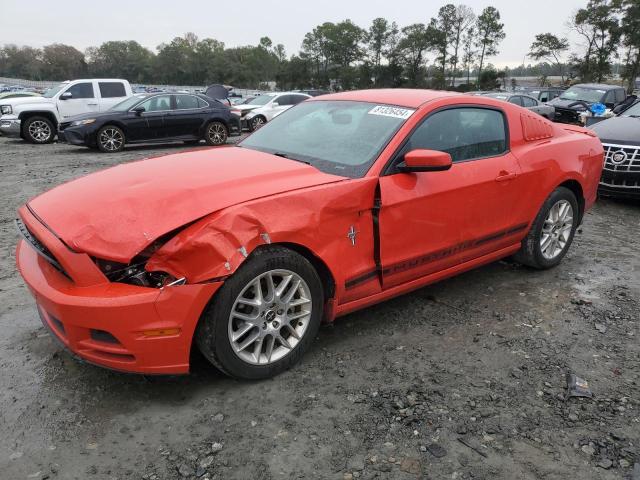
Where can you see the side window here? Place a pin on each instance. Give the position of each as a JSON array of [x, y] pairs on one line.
[[112, 89], [186, 102], [284, 100], [202, 103], [81, 90], [621, 95], [517, 99], [464, 133], [296, 99], [157, 104], [528, 102], [545, 96], [610, 97]]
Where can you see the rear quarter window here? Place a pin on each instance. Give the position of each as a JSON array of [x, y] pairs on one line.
[[112, 89]]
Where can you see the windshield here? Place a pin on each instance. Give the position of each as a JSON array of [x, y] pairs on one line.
[[589, 95], [337, 137], [53, 90], [260, 100], [633, 111], [127, 104]]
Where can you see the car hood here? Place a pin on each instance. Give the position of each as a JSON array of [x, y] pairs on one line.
[[247, 107], [560, 103], [96, 115], [18, 101], [618, 130], [115, 214]]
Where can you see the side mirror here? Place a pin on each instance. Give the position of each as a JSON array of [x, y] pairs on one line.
[[139, 110], [609, 105], [66, 96], [425, 161]]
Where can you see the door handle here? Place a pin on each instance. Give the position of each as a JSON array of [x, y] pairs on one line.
[[505, 176], [92, 104]]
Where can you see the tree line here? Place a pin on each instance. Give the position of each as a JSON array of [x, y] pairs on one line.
[[457, 42]]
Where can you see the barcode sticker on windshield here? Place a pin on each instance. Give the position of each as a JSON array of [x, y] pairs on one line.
[[395, 112]]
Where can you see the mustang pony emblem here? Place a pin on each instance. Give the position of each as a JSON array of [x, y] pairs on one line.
[[351, 235]]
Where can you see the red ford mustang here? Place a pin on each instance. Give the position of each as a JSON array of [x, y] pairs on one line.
[[341, 202]]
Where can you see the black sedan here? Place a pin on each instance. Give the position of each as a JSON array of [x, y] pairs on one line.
[[620, 137], [157, 118]]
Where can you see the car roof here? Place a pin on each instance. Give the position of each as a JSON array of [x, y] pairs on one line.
[[404, 97]]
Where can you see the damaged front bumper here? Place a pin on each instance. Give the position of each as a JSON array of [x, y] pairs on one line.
[[115, 325]]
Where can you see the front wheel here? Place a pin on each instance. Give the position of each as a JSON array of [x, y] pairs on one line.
[[552, 231], [38, 130], [110, 139], [216, 134], [264, 317], [257, 122]]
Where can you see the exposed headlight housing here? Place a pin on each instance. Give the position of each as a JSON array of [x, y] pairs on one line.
[[135, 274], [88, 121], [6, 109]]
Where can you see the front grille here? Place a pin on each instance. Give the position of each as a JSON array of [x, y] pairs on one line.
[[567, 115], [621, 167], [621, 158], [38, 246]]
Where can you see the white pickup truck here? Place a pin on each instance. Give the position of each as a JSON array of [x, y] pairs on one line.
[[36, 119]]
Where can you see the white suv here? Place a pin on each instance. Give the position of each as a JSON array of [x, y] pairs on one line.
[[36, 119], [263, 108]]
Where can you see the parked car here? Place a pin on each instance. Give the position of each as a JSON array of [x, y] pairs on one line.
[[579, 98], [545, 94], [525, 101], [313, 92], [8, 95], [261, 109], [338, 204], [620, 137], [36, 119], [159, 117]]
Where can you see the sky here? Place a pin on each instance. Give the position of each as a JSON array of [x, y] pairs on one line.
[[87, 23]]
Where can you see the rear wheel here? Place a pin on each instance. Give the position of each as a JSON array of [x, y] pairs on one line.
[[110, 139], [38, 130], [216, 134], [264, 317], [552, 231]]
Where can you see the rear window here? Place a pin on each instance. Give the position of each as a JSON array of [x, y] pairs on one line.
[[112, 89]]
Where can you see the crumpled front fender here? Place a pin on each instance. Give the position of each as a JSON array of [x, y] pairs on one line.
[[317, 218]]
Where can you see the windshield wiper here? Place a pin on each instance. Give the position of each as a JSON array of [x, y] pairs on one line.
[[284, 155]]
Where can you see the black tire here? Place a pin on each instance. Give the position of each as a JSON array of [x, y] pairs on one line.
[[212, 335], [256, 122], [216, 133], [531, 252], [38, 130], [110, 139]]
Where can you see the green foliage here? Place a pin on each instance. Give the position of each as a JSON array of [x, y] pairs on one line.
[[490, 34]]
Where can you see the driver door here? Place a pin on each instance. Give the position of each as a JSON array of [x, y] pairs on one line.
[[433, 221], [77, 100]]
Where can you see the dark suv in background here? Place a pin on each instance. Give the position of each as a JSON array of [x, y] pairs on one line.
[[579, 98]]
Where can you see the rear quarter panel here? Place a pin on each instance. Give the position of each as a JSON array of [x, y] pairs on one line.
[[570, 154]]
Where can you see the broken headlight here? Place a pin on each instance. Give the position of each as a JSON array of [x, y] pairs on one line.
[[135, 274]]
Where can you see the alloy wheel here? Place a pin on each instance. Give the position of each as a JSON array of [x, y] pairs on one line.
[[270, 317], [217, 133], [556, 229], [40, 131], [111, 139], [257, 122]]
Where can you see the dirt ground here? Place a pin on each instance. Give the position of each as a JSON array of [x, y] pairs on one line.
[[461, 380]]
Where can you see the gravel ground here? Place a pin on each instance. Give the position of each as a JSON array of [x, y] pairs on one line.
[[462, 380]]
